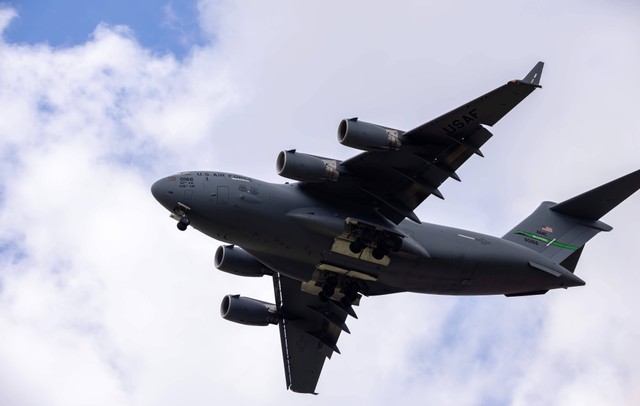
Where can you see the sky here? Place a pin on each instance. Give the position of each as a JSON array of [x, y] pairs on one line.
[[161, 26], [104, 302]]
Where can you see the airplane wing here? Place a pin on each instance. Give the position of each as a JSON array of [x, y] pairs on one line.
[[398, 180], [309, 331]]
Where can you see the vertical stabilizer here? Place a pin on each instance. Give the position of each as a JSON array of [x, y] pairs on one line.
[[560, 231]]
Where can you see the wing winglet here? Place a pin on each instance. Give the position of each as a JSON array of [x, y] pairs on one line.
[[533, 77]]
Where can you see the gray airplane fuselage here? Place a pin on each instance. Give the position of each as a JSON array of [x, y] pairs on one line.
[[291, 230]]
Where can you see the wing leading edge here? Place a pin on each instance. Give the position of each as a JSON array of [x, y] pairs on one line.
[[309, 332], [399, 180]]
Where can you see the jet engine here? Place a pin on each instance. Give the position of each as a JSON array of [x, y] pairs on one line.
[[245, 310], [305, 167], [239, 262], [366, 136]]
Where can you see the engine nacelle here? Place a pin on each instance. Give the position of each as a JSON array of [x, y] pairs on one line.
[[305, 167], [245, 310], [367, 136], [237, 261]]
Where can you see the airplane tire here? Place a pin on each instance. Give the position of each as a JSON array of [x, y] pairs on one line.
[[378, 253], [350, 293], [356, 247], [183, 223]]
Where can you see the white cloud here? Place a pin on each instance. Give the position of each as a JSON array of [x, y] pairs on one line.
[[103, 302], [6, 15]]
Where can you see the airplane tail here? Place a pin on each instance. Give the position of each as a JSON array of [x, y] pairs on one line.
[[560, 230]]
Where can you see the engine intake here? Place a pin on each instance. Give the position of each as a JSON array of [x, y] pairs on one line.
[[305, 167], [245, 310], [239, 262], [367, 136]]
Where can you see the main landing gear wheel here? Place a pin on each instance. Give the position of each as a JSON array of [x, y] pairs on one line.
[[357, 246], [350, 292], [183, 223], [328, 288], [378, 253]]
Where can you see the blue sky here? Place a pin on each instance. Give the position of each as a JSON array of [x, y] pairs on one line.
[[160, 25], [103, 301]]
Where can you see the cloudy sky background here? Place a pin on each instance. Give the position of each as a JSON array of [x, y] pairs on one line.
[[103, 301]]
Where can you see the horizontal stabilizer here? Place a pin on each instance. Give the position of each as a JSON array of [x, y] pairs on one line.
[[594, 204], [533, 293]]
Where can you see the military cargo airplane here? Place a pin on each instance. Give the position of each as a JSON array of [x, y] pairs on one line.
[[347, 229]]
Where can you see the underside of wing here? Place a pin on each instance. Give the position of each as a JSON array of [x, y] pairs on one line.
[[399, 170], [309, 331]]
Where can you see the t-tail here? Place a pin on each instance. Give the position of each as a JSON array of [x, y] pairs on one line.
[[560, 230]]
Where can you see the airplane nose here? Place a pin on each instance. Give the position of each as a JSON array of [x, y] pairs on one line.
[[157, 190], [162, 190]]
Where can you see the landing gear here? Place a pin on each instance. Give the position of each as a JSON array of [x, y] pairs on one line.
[[378, 253], [180, 215], [361, 236], [381, 248], [336, 292], [183, 223], [350, 291], [357, 246], [349, 288], [328, 288]]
